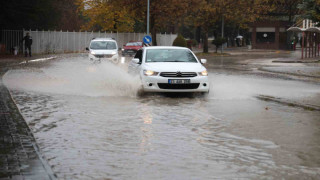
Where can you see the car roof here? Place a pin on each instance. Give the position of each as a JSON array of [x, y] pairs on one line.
[[164, 47], [134, 41], [103, 39]]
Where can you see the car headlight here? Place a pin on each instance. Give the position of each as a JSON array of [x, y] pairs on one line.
[[150, 73], [92, 52], [203, 73], [113, 53]]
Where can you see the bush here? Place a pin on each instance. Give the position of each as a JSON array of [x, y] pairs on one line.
[[218, 42], [192, 42], [180, 41]]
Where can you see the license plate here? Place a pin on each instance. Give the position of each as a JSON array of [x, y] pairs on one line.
[[179, 81]]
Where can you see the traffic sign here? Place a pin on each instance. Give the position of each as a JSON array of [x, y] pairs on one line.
[[147, 39]]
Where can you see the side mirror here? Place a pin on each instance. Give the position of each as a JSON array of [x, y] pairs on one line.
[[136, 60], [87, 48], [203, 61]]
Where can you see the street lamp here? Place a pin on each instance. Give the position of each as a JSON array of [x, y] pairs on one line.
[[222, 32], [148, 17]]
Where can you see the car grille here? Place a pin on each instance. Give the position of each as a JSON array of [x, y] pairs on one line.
[[178, 86], [178, 74], [103, 56]]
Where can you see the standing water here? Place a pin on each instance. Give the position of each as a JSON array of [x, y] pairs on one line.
[[90, 124]]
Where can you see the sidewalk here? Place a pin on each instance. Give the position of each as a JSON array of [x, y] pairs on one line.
[[294, 65], [19, 154], [307, 71]]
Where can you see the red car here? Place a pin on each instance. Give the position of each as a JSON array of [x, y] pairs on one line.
[[131, 48]]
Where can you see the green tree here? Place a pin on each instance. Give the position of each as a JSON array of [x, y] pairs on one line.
[[218, 42], [237, 12], [284, 9], [310, 10], [180, 41]]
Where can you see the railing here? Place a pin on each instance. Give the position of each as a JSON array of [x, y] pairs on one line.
[[10, 39]]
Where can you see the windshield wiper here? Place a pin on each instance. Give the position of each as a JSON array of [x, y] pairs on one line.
[[175, 61]]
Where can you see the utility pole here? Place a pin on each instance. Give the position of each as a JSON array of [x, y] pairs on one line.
[[222, 32], [148, 17]]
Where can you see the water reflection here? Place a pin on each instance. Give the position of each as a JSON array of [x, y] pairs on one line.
[[146, 128], [97, 128]]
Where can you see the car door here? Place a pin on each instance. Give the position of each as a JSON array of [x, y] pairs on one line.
[[134, 68]]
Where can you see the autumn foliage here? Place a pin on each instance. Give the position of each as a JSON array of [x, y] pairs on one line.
[[169, 15], [105, 15]]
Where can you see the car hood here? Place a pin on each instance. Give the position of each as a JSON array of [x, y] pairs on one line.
[[174, 67], [132, 47], [103, 51]]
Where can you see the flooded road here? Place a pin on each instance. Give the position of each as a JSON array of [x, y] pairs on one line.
[[90, 124]]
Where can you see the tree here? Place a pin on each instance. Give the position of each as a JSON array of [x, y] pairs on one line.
[[67, 15], [237, 12], [105, 15], [180, 41], [310, 10], [284, 10], [32, 14], [39, 14], [163, 13], [218, 42]]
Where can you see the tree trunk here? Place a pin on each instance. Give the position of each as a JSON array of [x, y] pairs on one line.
[[198, 34], [154, 37], [153, 31], [205, 42]]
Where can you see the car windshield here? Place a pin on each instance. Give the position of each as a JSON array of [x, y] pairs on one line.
[[134, 44], [103, 45], [170, 55]]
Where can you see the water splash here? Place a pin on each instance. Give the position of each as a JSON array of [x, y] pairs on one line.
[[75, 76]]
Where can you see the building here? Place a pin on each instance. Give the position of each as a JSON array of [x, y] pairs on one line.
[[269, 35]]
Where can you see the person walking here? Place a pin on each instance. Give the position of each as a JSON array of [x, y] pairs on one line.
[[27, 44]]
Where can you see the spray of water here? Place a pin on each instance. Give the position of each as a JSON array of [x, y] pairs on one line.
[[75, 76], [78, 76]]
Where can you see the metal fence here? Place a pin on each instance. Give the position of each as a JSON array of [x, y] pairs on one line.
[[10, 39], [45, 42]]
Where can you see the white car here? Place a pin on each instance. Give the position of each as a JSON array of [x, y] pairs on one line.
[[170, 69], [103, 49]]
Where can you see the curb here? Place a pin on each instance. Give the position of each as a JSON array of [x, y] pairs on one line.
[[19, 142], [287, 102], [288, 73], [297, 61]]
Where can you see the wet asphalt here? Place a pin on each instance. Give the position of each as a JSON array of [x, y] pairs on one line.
[[90, 123]]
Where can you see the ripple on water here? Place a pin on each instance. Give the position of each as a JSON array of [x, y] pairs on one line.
[[91, 126]]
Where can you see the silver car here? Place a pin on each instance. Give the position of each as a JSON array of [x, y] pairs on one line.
[[103, 49]]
